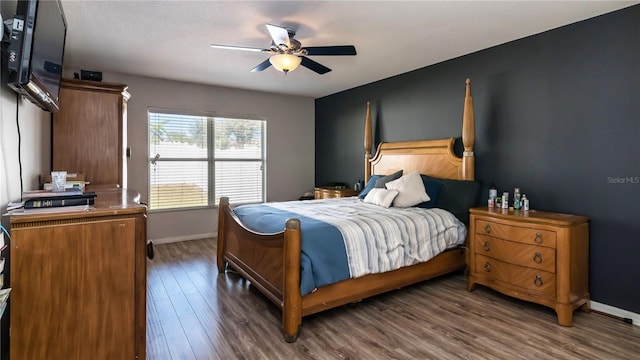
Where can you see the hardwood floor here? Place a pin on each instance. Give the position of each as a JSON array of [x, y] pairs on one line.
[[195, 313]]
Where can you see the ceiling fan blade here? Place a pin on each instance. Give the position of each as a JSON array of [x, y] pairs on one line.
[[315, 66], [230, 47], [279, 35], [263, 65], [331, 50]]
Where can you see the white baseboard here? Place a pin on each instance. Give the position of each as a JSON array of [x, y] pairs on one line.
[[610, 310], [183, 238]]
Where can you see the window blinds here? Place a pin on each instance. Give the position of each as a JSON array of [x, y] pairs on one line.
[[196, 159]]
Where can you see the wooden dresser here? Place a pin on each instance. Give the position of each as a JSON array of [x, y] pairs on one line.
[[89, 132], [536, 256], [328, 192], [79, 281]]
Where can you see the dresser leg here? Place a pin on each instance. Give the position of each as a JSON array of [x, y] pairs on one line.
[[586, 307], [470, 285], [565, 314]]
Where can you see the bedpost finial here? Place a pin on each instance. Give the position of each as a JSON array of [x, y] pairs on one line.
[[468, 81], [292, 224]]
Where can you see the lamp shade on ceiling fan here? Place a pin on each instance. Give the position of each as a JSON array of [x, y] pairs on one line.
[[285, 62]]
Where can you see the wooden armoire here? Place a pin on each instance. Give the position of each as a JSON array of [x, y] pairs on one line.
[[90, 131]]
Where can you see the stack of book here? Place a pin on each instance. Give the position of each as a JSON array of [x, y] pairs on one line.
[[47, 199]]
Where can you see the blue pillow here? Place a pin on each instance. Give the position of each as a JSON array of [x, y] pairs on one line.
[[433, 190], [370, 185], [380, 183]]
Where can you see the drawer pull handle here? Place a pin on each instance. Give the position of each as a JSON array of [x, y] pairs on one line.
[[486, 246], [537, 258], [538, 281], [487, 229], [538, 238], [487, 267]]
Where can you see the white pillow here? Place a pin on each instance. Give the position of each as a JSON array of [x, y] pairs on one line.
[[410, 190], [381, 197]]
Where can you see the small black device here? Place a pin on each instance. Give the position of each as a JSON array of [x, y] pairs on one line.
[[91, 75], [36, 51]]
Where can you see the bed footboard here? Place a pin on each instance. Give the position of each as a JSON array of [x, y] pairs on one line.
[[270, 261]]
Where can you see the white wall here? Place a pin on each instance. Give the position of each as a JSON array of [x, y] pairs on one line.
[[290, 142], [35, 145]]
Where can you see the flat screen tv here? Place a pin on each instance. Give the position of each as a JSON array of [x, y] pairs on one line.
[[36, 51]]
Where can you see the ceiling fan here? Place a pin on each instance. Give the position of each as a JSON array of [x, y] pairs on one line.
[[287, 53]]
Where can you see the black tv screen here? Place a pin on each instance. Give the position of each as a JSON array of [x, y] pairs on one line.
[[36, 51]]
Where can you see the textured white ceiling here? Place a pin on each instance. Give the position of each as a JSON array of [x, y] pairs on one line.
[[170, 39]]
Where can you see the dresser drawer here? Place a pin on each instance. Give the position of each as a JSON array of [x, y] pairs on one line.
[[523, 277], [538, 257], [516, 233]]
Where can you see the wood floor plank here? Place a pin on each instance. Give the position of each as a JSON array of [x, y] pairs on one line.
[[176, 294], [177, 337], [196, 313], [157, 344], [201, 346], [155, 286]]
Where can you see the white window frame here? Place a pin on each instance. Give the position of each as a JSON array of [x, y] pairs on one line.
[[213, 197]]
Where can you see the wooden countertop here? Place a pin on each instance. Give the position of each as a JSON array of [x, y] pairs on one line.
[[110, 200]]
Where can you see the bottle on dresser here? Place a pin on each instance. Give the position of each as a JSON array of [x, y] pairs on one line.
[[517, 203], [493, 195], [525, 203], [505, 200]]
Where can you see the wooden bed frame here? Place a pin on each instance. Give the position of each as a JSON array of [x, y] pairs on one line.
[[272, 261]]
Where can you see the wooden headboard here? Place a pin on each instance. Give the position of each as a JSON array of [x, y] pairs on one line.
[[435, 158]]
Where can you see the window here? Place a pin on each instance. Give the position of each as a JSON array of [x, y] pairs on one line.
[[197, 158]]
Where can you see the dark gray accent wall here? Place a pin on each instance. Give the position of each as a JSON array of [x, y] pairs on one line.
[[557, 114]]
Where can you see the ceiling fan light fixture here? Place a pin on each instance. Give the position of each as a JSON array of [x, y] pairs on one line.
[[285, 62]]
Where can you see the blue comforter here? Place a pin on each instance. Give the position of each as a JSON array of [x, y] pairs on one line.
[[323, 256]]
